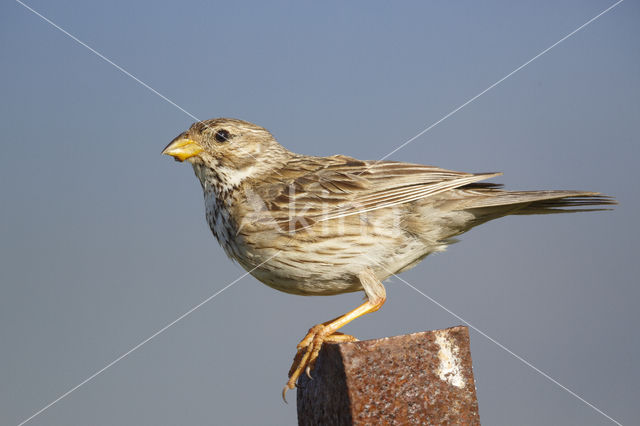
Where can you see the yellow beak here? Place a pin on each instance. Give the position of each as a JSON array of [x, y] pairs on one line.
[[182, 148]]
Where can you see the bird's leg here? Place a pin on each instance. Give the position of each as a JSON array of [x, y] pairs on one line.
[[309, 346]]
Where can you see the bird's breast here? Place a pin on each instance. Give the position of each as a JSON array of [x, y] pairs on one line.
[[222, 224]]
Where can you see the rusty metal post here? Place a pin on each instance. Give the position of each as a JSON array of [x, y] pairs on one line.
[[420, 378]]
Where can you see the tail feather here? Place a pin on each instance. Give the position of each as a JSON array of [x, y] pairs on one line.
[[487, 201], [533, 202], [572, 203]]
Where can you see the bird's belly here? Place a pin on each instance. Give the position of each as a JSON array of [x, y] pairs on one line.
[[329, 266], [321, 260], [304, 271]]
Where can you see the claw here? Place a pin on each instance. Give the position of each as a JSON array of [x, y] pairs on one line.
[[309, 347], [284, 394], [308, 351]]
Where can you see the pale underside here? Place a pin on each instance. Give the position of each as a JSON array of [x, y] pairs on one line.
[[327, 219]]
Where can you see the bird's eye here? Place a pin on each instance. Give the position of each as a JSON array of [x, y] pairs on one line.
[[222, 135]]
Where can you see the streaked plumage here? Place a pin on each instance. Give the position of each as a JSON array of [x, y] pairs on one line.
[[329, 220]]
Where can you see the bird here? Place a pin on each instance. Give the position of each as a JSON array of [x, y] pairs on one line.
[[319, 226]]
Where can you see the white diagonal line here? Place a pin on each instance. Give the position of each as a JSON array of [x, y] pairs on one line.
[[101, 56], [496, 83], [136, 347], [503, 347], [119, 68]]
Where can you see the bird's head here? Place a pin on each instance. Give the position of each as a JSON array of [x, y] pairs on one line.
[[228, 150]]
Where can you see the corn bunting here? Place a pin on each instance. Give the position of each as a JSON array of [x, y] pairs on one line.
[[329, 225]]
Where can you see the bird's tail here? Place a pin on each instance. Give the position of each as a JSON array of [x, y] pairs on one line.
[[481, 202], [488, 201], [541, 202]]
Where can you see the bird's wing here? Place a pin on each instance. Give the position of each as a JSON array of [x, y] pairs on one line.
[[339, 186]]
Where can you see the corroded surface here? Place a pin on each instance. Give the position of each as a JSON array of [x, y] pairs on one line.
[[420, 378]]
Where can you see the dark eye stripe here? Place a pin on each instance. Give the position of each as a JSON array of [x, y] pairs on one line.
[[222, 135]]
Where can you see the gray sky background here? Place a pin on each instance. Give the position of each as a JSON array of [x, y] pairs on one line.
[[103, 241]]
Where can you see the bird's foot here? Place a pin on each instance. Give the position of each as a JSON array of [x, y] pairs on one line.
[[308, 350]]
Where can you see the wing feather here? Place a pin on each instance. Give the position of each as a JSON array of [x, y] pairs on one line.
[[395, 196], [339, 186]]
